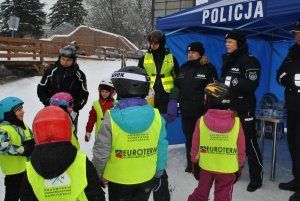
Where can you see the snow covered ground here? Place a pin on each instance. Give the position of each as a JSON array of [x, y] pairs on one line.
[[182, 183]]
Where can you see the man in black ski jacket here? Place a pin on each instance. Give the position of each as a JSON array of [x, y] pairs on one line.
[[241, 72], [65, 76], [288, 75]]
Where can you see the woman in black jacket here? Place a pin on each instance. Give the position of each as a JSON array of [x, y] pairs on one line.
[[192, 78]]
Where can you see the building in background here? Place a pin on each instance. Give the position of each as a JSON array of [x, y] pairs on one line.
[[162, 8]]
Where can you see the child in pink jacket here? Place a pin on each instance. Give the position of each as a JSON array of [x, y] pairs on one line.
[[218, 146]]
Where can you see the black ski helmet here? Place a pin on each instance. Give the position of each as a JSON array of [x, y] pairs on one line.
[[131, 81], [217, 96], [157, 36], [68, 51]]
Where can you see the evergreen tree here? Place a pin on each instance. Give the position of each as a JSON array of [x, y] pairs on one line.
[[70, 11], [31, 15]]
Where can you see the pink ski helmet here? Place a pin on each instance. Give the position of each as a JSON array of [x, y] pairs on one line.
[[63, 100]]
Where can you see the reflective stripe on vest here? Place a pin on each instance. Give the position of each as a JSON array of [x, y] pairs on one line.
[[166, 69], [133, 156], [68, 186], [99, 113], [218, 151], [14, 164]]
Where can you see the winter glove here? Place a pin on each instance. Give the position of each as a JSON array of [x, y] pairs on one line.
[[87, 136], [20, 150], [196, 171], [73, 115], [237, 174], [174, 93], [28, 147]]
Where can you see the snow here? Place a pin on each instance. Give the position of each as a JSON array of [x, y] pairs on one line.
[[182, 183]]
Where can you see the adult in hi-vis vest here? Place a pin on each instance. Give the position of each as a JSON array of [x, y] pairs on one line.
[[57, 171], [218, 146], [130, 151], [106, 101], [16, 145], [162, 67]]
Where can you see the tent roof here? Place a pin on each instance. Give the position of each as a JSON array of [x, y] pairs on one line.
[[273, 22]]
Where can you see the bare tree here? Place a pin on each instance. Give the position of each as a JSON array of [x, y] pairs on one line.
[[129, 18]]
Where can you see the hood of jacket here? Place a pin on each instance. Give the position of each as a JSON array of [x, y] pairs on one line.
[[133, 115], [220, 121], [51, 160]]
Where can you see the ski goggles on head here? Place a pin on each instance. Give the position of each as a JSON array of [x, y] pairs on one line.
[[67, 53], [61, 103]]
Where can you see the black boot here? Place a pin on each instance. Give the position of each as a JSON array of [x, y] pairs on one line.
[[295, 197], [289, 186], [253, 186], [189, 168]]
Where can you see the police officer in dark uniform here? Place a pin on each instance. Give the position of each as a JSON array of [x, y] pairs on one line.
[[241, 72], [162, 68], [192, 78], [288, 75]]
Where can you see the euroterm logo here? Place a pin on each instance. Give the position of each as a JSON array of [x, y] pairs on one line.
[[218, 150], [135, 153]]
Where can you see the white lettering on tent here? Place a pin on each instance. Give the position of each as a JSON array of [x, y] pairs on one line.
[[205, 15], [248, 15], [235, 12], [259, 12], [222, 18]]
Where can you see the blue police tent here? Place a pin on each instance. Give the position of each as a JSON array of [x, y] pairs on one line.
[[266, 23]]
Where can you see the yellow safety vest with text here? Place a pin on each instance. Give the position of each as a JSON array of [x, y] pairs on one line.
[[218, 151], [98, 109], [133, 156], [166, 71], [69, 186], [14, 164]]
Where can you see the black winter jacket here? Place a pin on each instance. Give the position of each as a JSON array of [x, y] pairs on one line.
[[161, 97], [244, 70], [285, 77], [191, 81], [51, 160], [59, 79]]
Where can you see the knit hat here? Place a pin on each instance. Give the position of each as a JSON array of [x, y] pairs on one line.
[[197, 47], [297, 27], [237, 35]]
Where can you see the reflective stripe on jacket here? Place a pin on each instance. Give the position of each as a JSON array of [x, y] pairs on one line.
[[165, 74]]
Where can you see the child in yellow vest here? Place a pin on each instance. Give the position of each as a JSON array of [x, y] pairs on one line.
[[218, 146], [105, 102], [57, 171], [16, 145]]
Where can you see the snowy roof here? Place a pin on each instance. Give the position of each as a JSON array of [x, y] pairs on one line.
[[124, 39]]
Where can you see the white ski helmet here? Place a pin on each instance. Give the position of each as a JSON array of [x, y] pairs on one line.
[[107, 82]]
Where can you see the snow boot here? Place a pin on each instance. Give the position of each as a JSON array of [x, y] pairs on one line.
[[289, 186], [253, 186], [295, 197]]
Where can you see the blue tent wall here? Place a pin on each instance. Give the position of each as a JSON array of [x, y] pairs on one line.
[[269, 54]]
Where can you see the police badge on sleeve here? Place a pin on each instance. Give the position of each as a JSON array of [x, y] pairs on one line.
[[252, 76]]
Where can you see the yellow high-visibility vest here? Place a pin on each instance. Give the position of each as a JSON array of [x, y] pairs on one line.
[[218, 151], [166, 71], [99, 113], [68, 186], [133, 156], [14, 164]]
